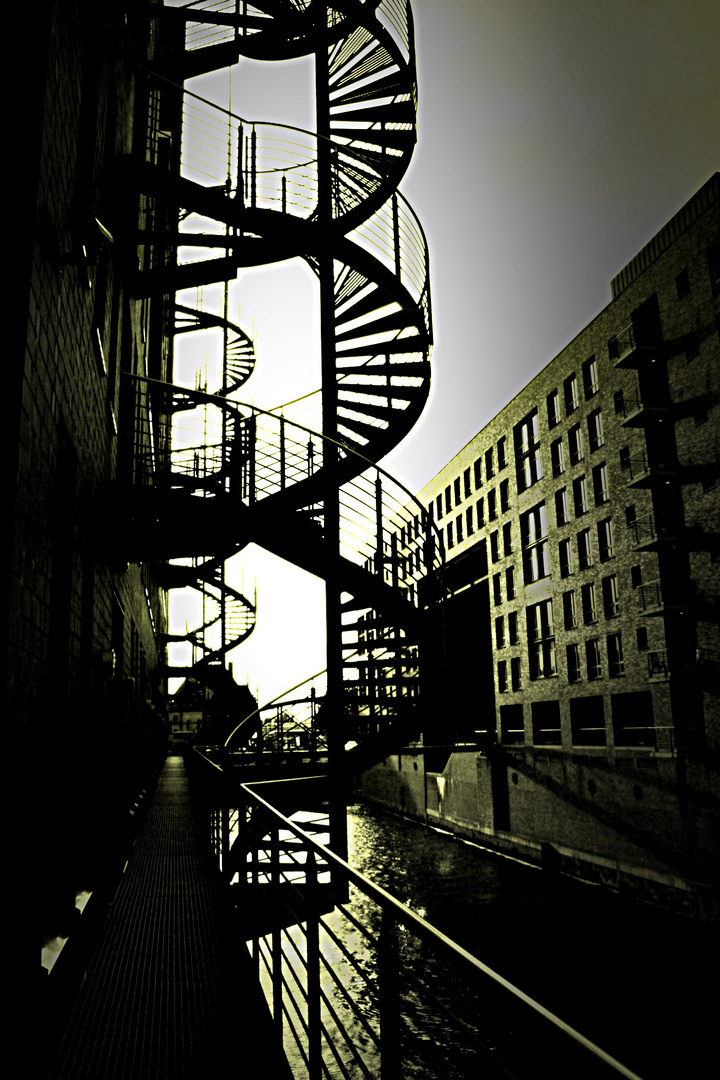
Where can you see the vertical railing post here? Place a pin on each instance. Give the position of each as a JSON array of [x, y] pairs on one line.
[[313, 971], [388, 963], [282, 453], [396, 235], [253, 167], [379, 553]]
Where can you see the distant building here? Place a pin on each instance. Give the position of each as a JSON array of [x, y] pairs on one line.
[[582, 537]]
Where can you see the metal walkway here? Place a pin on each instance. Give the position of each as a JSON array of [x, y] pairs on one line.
[[169, 993]]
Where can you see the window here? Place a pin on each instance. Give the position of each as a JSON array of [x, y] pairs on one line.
[[510, 582], [511, 726], [533, 533], [605, 539], [450, 540], [616, 662], [585, 554], [546, 723], [557, 454], [573, 662], [505, 495], [600, 484], [565, 555], [477, 469], [553, 409], [575, 439], [587, 721], [497, 590], [489, 466], [466, 482], [588, 603], [480, 507], [439, 507], [619, 402], [632, 719], [562, 513], [611, 605], [693, 347], [636, 576], [515, 673], [459, 528], [513, 636], [590, 377], [541, 640], [580, 496], [595, 430], [501, 456], [500, 632], [494, 546], [469, 521], [527, 451], [507, 539], [569, 610], [572, 398], [502, 676], [642, 638], [456, 489], [682, 284], [593, 659], [492, 508], [448, 500]]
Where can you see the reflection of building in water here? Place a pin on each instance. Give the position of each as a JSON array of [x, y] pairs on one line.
[[581, 529]]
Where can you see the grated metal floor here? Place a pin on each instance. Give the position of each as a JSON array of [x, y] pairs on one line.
[[169, 993]]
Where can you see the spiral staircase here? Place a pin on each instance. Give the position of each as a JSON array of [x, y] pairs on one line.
[[305, 485]]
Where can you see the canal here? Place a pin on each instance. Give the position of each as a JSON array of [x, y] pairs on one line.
[[636, 980]]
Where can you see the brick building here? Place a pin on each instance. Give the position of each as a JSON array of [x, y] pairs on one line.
[[581, 529]]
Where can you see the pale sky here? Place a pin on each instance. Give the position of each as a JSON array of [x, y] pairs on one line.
[[555, 138]]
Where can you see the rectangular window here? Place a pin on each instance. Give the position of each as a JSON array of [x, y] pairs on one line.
[[456, 490], [448, 500], [527, 451], [605, 540], [611, 605], [546, 723], [600, 484], [502, 676], [507, 539], [580, 496], [595, 430], [569, 610], [477, 469], [565, 555], [533, 533], [466, 482], [489, 466], [573, 663], [494, 546], [553, 409], [619, 402], [575, 439], [585, 553], [513, 635], [616, 662], [541, 640], [439, 504], [505, 495], [641, 635], [510, 582], [502, 460], [587, 721], [450, 540], [682, 284], [557, 454], [515, 673], [589, 603], [593, 659], [590, 377], [500, 632], [572, 398], [480, 507], [492, 508], [562, 513], [459, 528], [469, 520], [497, 590]]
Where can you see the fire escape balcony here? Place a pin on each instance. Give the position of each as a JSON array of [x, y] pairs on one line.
[[649, 535], [643, 472], [657, 599], [639, 410], [627, 352]]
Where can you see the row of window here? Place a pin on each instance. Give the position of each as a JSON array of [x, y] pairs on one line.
[[586, 549], [631, 713], [571, 394], [465, 524], [580, 495], [472, 479], [540, 616], [542, 661]]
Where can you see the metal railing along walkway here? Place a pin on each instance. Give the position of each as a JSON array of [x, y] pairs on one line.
[[169, 992]]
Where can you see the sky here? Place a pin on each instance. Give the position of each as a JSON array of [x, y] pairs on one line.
[[555, 138]]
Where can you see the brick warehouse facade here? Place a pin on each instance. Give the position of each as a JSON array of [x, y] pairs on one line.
[[581, 529], [84, 629]]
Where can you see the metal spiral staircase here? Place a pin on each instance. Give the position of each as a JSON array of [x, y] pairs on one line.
[[301, 482]]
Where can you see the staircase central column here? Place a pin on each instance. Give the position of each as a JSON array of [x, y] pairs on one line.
[[334, 704]]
